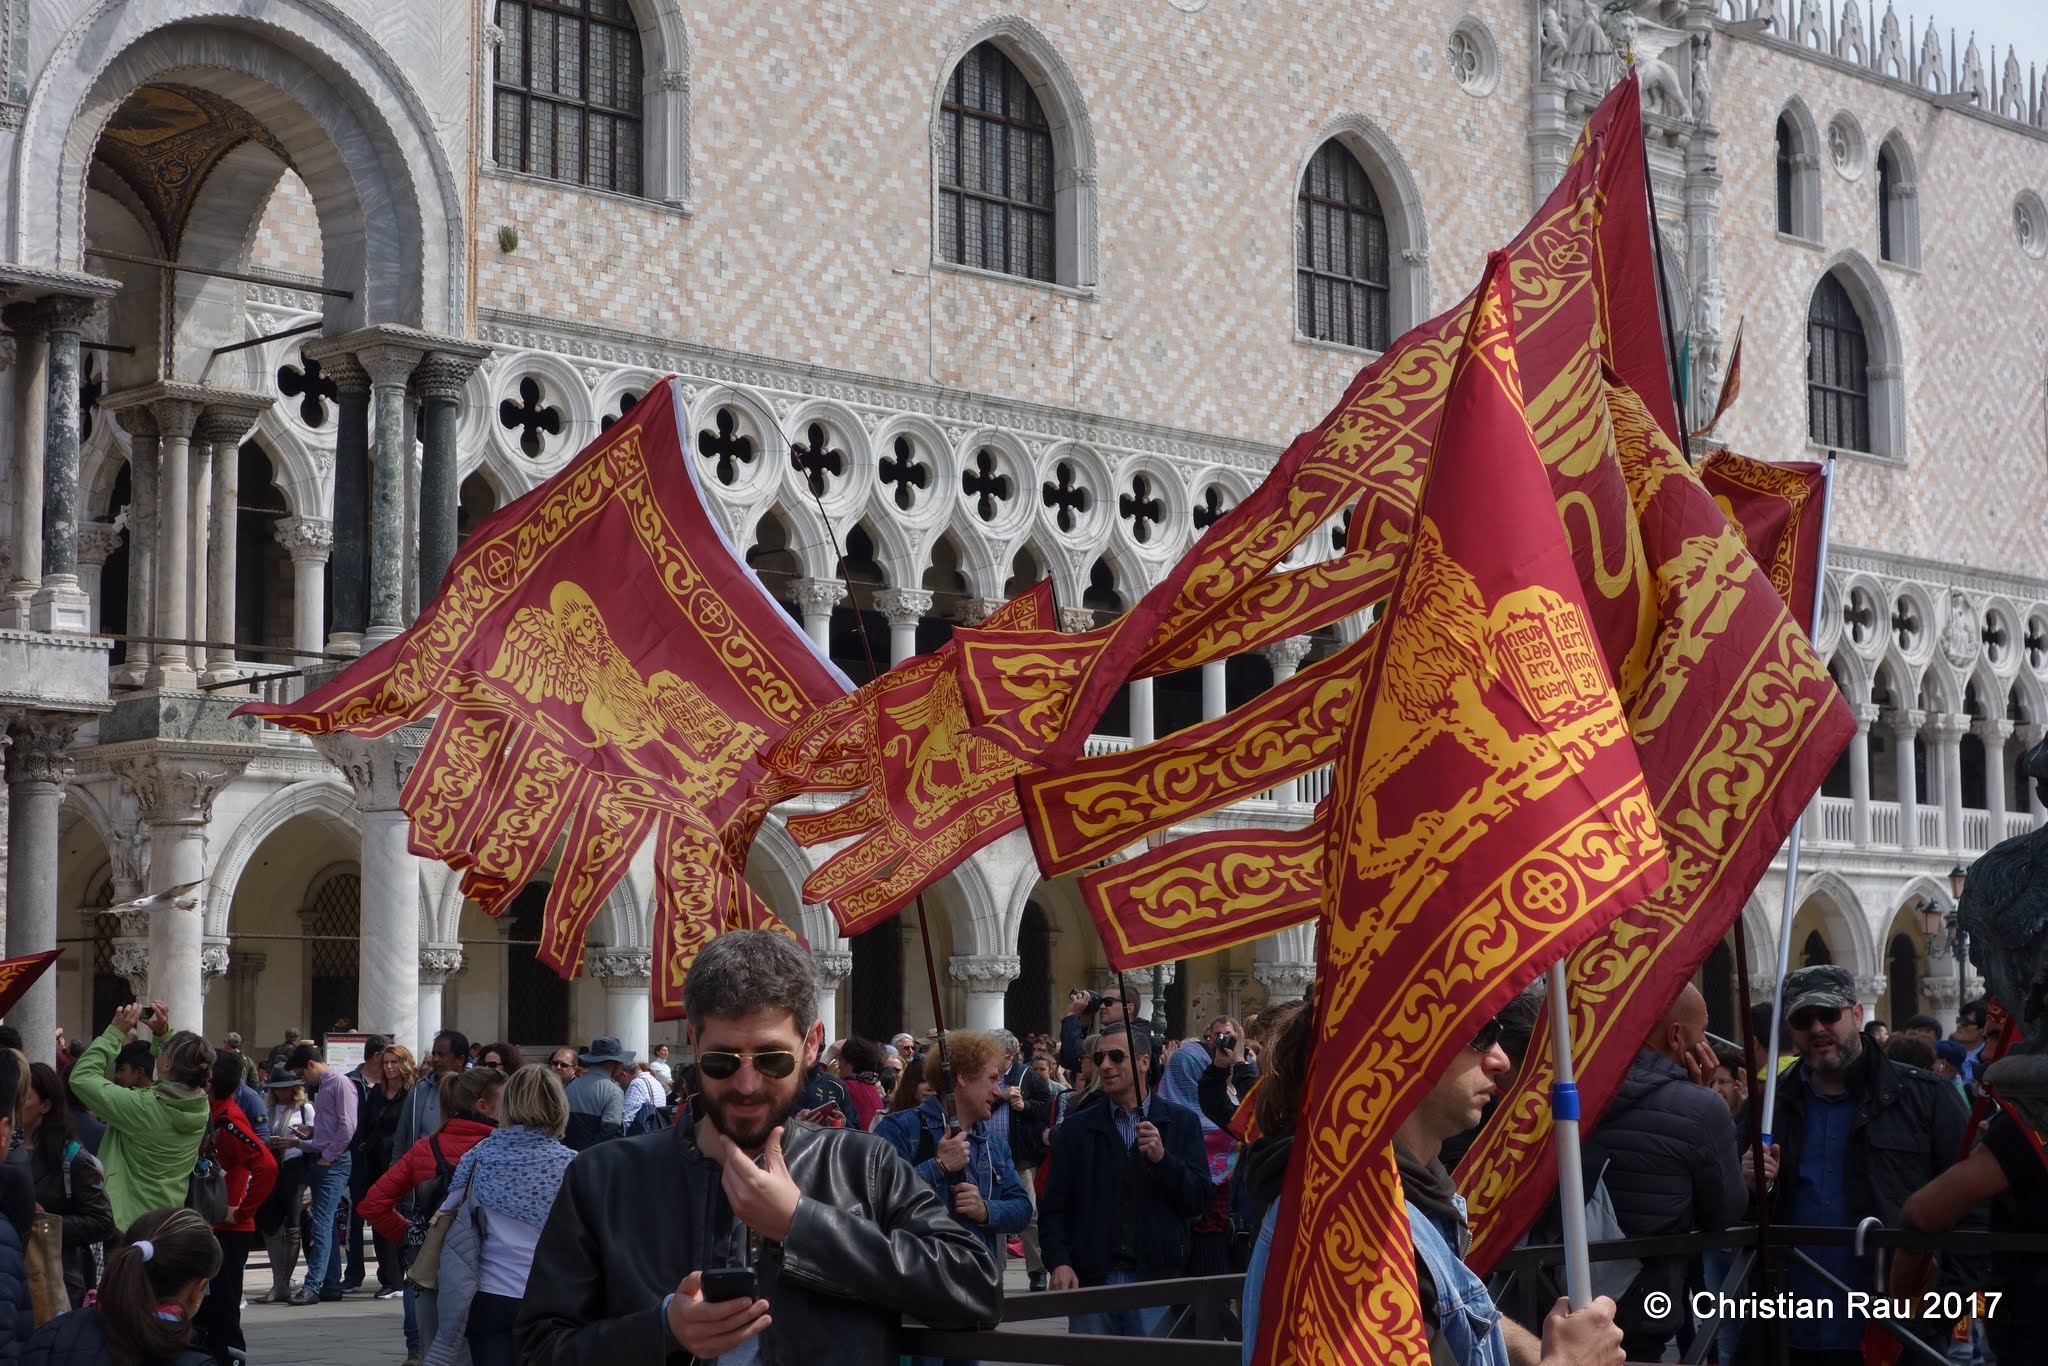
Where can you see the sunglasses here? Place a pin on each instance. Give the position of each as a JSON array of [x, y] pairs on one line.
[[1487, 1039], [723, 1066], [563, 1066], [1826, 1015], [1112, 1000], [1115, 1055]]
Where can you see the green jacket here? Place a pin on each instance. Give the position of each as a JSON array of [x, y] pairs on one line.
[[152, 1137]]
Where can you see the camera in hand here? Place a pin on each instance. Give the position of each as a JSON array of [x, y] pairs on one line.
[[1225, 1042], [148, 1013], [723, 1283]]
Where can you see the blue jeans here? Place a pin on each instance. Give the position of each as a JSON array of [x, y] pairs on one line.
[[412, 1321], [1122, 1323], [324, 1253]]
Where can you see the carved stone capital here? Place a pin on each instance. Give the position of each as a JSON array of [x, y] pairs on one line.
[[176, 417], [442, 375], [1870, 988], [974, 611], [226, 424], [64, 312], [376, 769], [621, 969], [177, 789], [903, 606], [1938, 992], [984, 972], [1285, 981], [1948, 726], [347, 373], [1076, 619], [213, 963], [389, 365], [139, 420], [96, 541], [306, 539], [438, 963], [817, 597], [832, 966], [38, 750], [1286, 655], [674, 78], [130, 961]]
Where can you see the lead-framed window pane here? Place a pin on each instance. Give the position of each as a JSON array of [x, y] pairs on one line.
[[1341, 253], [567, 93], [1837, 369], [994, 164]]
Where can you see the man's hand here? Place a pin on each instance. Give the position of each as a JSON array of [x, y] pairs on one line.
[[968, 1204], [1063, 1278], [1148, 1141], [1700, 1064], [126, 1017], [159, 1021], [1219, 1056], [706, 1330], [1749, 1164], [765, 1201], [1016, 1097], [952, 1153], [1587, 1338], [1077, 1003]]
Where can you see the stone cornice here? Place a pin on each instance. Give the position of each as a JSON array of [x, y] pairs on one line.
[[1887, 564]]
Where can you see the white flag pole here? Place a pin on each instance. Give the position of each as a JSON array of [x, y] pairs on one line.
[[1791, 905], [1564, 1121]]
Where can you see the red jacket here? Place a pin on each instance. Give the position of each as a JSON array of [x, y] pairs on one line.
[[250, 1166], [380, 1206]]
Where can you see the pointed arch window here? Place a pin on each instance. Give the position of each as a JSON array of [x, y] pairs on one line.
[[1898, 216], [1342, 277], [1784, 160], [567, 92], [1796, 149], [1837, 369], [996, 170]]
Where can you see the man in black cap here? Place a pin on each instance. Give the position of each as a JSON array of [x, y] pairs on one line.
[[1856, 1135], [597, 1103]]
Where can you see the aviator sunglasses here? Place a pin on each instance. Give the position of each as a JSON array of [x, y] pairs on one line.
[[774, 1065]]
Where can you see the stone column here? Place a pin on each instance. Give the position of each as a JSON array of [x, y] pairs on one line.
[[1153, 992], [815, 599], [37, 765], [627, 974], [1233, 994], [833, 967], [60, 605], [1868, 989], [389, 367], [437, 964], [1215, 695], [308, 540], [1859, 776], [2031, 735], [1144, 720], [222, 430], [389, 999], [175, 791], [96, 541], [1905, 728], [903, 608], [440, 379], [31, 365], [985, 977], [199, 502], [1993, 733], [351, 502], [140, 424], [1948, 741], [1285, 657], [173, 664]]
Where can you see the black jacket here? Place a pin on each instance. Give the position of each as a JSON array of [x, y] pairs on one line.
[[1667, 1147], [76, 1192], [1215, 1089], [1073, 1033], [1907, 1130], [1077, 1214], [80, 1339], [870, 1244], [1030, 1126]]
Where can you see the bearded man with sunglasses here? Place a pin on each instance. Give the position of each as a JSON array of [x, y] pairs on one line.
[[749, 1235], [1128, 1180], [1856, 1135]]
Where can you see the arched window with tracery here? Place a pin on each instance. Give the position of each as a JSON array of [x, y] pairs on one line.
[[1837, 369], [1342, 277], [334, 930], [996, 170], [567, 91]]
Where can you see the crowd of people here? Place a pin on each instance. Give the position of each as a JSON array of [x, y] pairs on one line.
[[775, 1192]]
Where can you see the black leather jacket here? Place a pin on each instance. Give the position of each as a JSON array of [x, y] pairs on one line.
[[1907, 1130], [870, 1244]]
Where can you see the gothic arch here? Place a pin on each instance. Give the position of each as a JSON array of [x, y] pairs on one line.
[[1841, 911], [387, 197], [1073, 138], [1400, 201], [1898, 205], [776, 869], [625, 916], [1804, 149], [981, 925], [327, 800]]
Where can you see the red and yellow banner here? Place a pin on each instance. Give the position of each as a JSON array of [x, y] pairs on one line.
[[1582, 284], [603, 668], [1488, 814], [1778, 510], [17, 975]]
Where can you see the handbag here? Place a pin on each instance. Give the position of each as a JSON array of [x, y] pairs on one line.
[[425, 1271], [426, 1199], [45, 1257], [206, 1189]]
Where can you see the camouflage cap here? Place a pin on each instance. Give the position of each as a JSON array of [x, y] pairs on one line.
[[1822, 986]]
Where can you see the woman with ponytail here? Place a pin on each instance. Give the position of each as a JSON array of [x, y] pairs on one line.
[[153, 1284]]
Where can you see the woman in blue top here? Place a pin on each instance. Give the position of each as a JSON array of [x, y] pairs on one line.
[[501, 1192]]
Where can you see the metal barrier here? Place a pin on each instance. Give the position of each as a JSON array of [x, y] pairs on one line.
[[1202, 1330]]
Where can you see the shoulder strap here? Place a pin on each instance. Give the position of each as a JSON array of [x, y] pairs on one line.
[[443, 1169]]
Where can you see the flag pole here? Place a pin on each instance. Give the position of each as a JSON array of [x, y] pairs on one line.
[[1564, 1117], [1790, 905]]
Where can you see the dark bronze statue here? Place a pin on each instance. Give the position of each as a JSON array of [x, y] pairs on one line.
[[2005, 912]]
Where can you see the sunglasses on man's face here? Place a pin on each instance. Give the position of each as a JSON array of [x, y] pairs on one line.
[[1825, 1015], [563, 1066], [1112, 1000], [774, 1065], [1487, 1039], [1115, 1055]]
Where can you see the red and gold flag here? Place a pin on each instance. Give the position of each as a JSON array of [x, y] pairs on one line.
[[1583, 285], [1737, 722], [17, 975], [1731, 385], [1489, 815], [1778, 510], [603, 667]]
